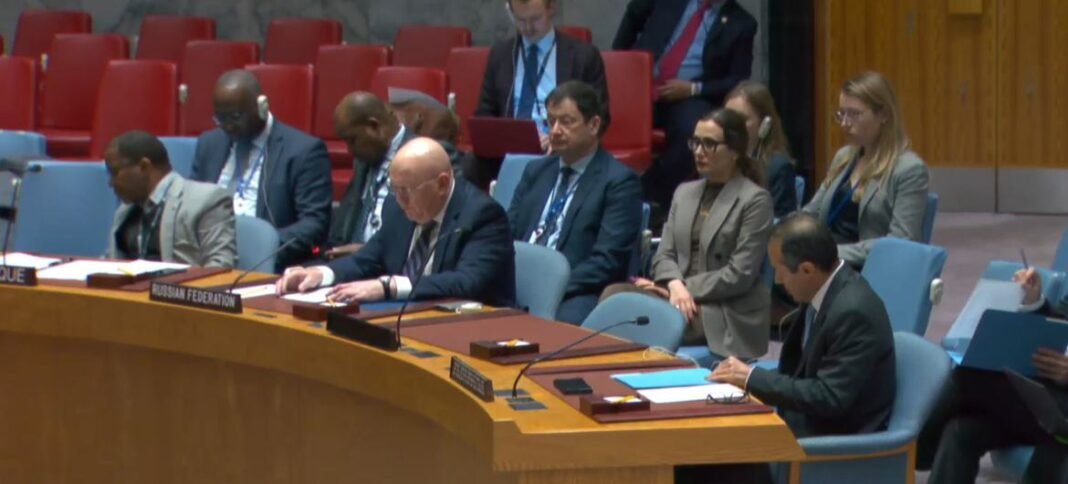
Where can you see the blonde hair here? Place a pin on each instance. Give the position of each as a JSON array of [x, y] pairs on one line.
[[759, 99], [877, 94]]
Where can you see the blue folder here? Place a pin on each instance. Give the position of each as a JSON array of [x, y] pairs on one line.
[[688, 377], [389, 305], [1006, 340]]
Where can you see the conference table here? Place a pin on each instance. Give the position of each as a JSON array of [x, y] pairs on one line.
[[104, 386]]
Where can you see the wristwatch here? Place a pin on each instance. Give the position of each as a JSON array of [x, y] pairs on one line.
[[385, 286]]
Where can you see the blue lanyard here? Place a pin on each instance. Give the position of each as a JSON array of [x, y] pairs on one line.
[[246, 178], [836, 210], [556, 210]]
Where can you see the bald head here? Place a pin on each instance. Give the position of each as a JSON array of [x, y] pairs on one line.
[[367, 125], [239, 80], [421, 176], [235, 105]]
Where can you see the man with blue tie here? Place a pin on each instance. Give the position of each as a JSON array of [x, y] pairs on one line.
[[274, 171], [429, 208], [702, 48], [581, 201]]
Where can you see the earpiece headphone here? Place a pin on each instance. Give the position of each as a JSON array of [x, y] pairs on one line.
[[765, 128], [508, 8], [262, 107]]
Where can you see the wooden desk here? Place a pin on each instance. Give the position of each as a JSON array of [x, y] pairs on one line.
[[108, 387]]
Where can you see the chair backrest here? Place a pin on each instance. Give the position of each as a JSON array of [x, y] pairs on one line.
[[929, 217], [508, 178], [665, 322], [541, 276], [65, 224], [1060, 258], [581, 33], [37, 28], [21, 144], [922, 369], [340, 70], [630, 77], [799, 189], [256, 239], [297, 40], [76, 63], [18, 93], [204, 61], [181, 150], [135, 94], [290, 91], [432, 82], [163, 37], [427, 45], [467, 67], [901, 271]]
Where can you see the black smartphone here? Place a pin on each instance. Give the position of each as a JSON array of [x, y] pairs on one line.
[[572, 386]]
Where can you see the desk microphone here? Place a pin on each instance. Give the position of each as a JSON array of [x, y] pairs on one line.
[[18, 168], [640, 321], [272, 255], [419, 276]]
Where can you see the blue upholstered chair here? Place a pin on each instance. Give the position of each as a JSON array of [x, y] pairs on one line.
[[256, 240], [503, 189], [181, 150], [21, 144], [665, 322], [886, 456], [541, 276], [929, 217], [1060, 259], [799, 188], [65, 209], [905, 275]]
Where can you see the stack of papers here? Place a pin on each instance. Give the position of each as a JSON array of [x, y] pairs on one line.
[[721, 391], [314, 297], [79, 270], [250, 292], [21, 259]]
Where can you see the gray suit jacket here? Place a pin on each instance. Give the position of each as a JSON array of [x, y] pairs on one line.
[[197, 225], [734, 303], [893, 208]]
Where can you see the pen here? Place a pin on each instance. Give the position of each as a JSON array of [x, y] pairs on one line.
[[1023, 256]]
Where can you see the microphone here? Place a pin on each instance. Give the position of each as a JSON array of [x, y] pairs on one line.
[[18, 167], [272, 255], [419, 276], [640, 321]]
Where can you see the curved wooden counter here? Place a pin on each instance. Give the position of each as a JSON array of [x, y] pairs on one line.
[[108, 387]]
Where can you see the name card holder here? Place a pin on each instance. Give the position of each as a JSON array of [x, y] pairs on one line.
[[18, 276], [471, 379], [320, 312], [495, 349], [211, 300], [600, 404], [361, 331]]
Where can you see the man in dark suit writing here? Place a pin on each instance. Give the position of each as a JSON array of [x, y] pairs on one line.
[[581, 201], [274, 172], [429, 207]]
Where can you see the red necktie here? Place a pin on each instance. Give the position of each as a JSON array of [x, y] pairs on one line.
[[672, 60]]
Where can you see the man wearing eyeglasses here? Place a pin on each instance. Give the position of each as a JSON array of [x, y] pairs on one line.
[[437, 227], [275, 172]]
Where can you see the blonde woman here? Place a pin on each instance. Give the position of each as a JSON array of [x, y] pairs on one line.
[[876, 186], [767, 141]]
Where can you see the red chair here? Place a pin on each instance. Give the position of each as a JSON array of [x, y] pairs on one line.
[[135, 94], [630, 84], [431, 82], [340, 70], [36, 28], [18, 93], [290, 90], [467, 67], [297, 40], [164, 37], [581, 33], [202, 64], [1, 45], [427, 46], [68, 105]]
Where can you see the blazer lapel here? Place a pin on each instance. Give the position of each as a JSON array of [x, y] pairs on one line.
[[449, 223], [721, 22], [721, 208], [168, 219], [869, 193], [586, 183], [841, 279], [270, 167], [684, 213], [116, 228], [563, 58], [539, 197]]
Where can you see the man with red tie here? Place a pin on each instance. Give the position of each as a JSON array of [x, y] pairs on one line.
[[703, 48]]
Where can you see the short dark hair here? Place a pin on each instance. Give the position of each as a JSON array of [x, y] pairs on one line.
[[805, 238], [134, 145], [586, 99]]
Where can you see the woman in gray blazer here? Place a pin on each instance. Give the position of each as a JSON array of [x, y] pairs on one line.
[[876, 186], [714, 242]]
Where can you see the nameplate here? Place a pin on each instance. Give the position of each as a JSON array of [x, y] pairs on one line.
[[195, 297], [18, 276], [361, 331], [471, 379]]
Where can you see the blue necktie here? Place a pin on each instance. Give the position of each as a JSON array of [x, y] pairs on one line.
[[530, 84], [556, 206], [420, 252], [810, 319]]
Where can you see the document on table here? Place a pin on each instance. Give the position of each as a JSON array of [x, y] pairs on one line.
[[79, 270], [692, 394], [314, 297], [664, 379], [21, 259], [249, 292]]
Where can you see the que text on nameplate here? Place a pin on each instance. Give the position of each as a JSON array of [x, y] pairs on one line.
[[195, 297], [471, 379], [18, 276]]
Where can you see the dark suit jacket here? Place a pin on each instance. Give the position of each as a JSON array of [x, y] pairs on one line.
[[728, 54], [602, 223], [575, 60], [295, 191], [844, 380], [782, 184], [478, 263]]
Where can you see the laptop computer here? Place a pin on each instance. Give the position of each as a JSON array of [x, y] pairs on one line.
[[497, 137], [1041, 404]]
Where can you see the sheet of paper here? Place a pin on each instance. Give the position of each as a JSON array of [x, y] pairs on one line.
[[691, 394], [988, 294], [21, 259], [314, 297], [250, 292], [80, 269]]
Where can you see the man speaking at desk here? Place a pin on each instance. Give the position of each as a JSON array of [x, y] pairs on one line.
[[429, 207]]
